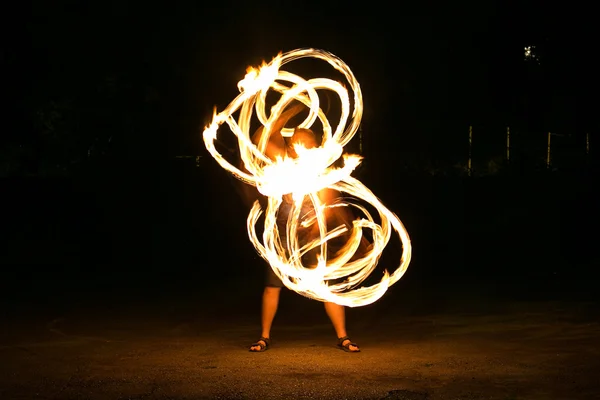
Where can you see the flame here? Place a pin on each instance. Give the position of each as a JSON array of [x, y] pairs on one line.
[[334, 278]]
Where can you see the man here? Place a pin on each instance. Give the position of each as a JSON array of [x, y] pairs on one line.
[[270, 299]]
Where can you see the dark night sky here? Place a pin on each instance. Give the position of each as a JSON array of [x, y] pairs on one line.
[[161, 66]]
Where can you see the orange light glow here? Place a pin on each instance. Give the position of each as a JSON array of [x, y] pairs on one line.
[[336, 278]]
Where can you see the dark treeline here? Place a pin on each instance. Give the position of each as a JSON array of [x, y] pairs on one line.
[[130, 82]]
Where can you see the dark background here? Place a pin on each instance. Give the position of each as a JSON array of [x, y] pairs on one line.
[[108, 194]]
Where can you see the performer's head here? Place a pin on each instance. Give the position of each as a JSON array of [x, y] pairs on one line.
[[303, 137]]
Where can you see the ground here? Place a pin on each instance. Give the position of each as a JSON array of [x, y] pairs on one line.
[[198, 350]]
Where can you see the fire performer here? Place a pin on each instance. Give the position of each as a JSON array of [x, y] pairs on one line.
[[301, 188]]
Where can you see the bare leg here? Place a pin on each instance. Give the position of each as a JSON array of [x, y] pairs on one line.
[[270, 301], [337, 315]]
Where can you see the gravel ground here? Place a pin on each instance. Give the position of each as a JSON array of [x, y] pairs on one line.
[[528, 350]]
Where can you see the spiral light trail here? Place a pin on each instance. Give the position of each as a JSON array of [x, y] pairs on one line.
[[334, 278]]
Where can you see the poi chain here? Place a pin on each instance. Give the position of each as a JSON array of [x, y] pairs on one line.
[[335, 279]]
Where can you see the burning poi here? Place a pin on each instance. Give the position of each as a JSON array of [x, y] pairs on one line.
[[334, 279]]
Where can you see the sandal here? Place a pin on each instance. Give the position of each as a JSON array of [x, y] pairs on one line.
[[259, 343], [346, 347]]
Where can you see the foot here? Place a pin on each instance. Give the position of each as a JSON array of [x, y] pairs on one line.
[[261, 345], [344, 343]]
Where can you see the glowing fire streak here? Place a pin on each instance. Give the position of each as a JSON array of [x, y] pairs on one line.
[[303, 177]]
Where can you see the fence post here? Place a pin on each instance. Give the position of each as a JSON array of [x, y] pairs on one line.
[[587, 143], [508, 144], [469, 165]]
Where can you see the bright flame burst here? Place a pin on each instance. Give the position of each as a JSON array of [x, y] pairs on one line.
[[334, 279]]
